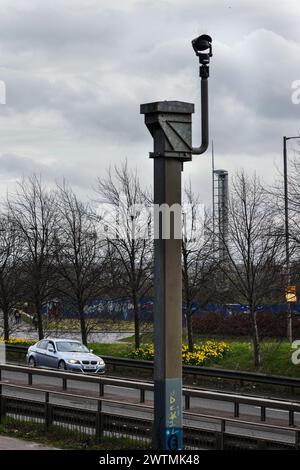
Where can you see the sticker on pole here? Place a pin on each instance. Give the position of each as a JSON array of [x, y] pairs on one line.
[[173, 438], [290, 294]]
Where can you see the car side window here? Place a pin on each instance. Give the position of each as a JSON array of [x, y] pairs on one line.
[[50, 345], [42, 344]]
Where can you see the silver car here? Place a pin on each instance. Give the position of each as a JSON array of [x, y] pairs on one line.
[[65, 354]]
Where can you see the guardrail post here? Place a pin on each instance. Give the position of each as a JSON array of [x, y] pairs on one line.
[[64, 384], [29, 378], [2, 408], [142, 395], [99, 422], [220, 436], [236, 409], [297, 440], [261, 444], [263, 413], [223, 428], [101, 389], [187, 402], [48, 412], [291, 418], [1, 404]]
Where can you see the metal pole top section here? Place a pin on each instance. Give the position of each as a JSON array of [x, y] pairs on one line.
[[170, 124], [180, 107]]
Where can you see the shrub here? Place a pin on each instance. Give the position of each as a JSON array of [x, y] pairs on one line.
[[20, 341], [203, 353]]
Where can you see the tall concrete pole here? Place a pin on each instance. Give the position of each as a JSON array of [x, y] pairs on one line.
[[168, 314], [170, 125]]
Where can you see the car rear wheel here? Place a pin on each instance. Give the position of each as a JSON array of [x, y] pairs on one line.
[[31, 362], [62, 365]]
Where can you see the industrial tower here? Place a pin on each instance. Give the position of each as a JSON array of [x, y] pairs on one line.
[[220, 211]]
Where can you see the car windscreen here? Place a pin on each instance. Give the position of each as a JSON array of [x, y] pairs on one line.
[[71, 346]]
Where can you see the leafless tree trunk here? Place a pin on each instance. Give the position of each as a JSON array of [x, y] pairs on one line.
[[294, 230], [254, 249], [198, 262], [10, 273], [33, 211], [128, 241], [80, 264]]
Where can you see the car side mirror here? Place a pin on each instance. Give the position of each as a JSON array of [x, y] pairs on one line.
[[91, 350], [51, 349]]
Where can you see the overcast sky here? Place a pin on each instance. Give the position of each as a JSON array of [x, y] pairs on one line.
[[76, 72]]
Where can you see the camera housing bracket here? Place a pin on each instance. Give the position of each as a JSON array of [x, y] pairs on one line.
[[170, 124]]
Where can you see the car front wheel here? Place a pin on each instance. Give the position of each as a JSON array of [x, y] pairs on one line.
[[31, 362], [62, 365]]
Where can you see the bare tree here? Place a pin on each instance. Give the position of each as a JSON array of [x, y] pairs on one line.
[[10, 273], [33, 211], [292, 257], [198, 261], [254, 249], [79, 261], [292, 232], [129, 243]]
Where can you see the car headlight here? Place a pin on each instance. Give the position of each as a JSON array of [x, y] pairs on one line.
[[100, 362], [73, 361]]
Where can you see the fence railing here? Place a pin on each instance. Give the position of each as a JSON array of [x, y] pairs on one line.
[[225, 374], [189, 394], [85, 418], [92, 420]]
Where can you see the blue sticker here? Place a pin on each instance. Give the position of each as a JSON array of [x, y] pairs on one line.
[[173, 438]]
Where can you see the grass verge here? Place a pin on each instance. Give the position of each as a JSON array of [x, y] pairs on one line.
[[63, 439], [276, 355]]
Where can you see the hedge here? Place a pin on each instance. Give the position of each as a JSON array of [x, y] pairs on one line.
[[238, 324]]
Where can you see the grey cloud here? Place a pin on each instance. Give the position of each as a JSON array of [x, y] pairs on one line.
[[91, 64], [14, 166]]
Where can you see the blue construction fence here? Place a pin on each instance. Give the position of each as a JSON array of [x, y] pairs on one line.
[[122, 309]]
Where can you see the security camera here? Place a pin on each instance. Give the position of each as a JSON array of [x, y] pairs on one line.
[[202, 48]]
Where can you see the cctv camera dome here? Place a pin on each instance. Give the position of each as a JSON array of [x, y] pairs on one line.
[[202, 43]]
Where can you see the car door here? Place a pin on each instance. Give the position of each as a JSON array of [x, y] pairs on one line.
[[41, 353], [51, 355]]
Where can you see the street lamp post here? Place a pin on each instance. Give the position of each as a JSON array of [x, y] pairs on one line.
[[170, 124], [287, 233]]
